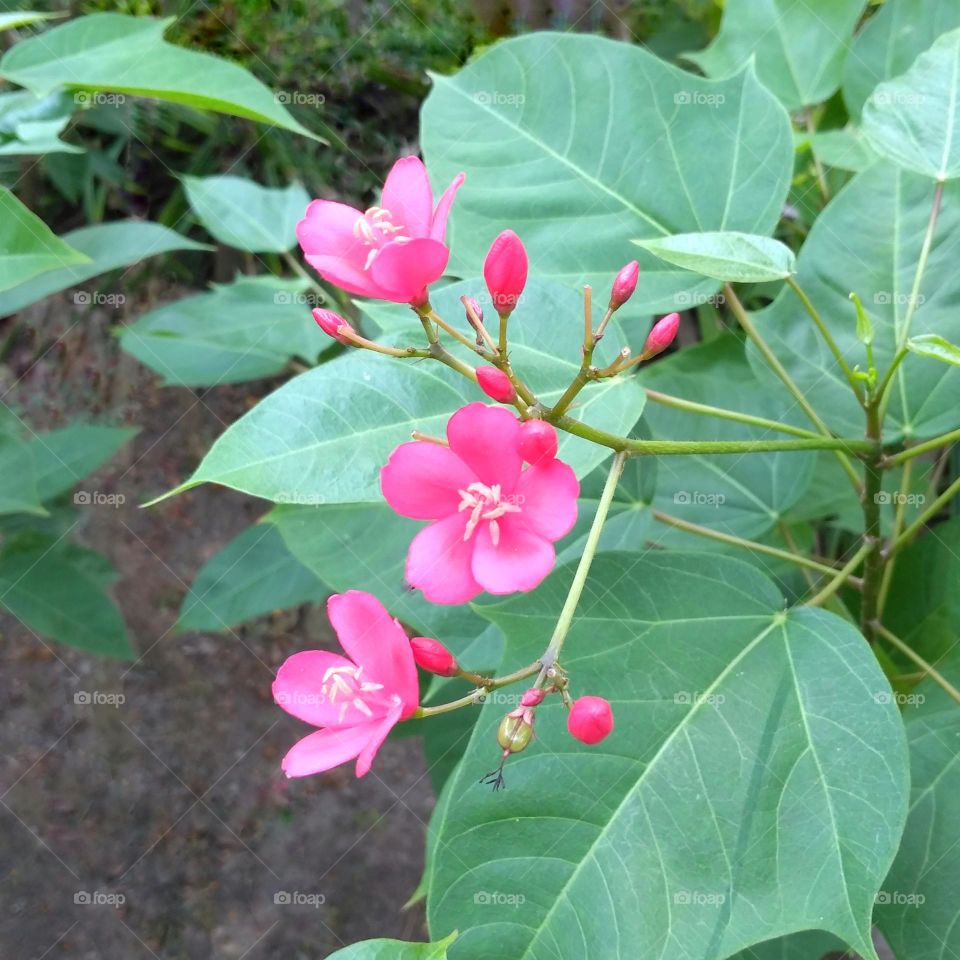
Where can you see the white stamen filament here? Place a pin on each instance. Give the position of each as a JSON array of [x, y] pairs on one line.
[[484, 503], [375, 228]]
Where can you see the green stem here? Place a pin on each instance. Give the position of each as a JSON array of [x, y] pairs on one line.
[[706, 410], [873, 561], [921, 448], [921, 521], [841, 577], [550, 655], [814, 314], [887, 579], [924, 665], [925, 248], [484, 686], [751, 545], [778, 368]]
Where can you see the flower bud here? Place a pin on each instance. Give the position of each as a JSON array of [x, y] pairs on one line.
[[515, 730], [662, 335], [538, 441], [624, 284], [333, 325], [532, 697], [590, 719], [505, 271], [474, 307], [434, 657], [496, 384]]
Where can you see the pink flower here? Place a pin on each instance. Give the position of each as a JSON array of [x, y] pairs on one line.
[[357, 701], [624, 284], [590, 719], [390, 252], [538, 441], [333, 325], [494, 523], [434, 657], [662, 335], [505, 271]]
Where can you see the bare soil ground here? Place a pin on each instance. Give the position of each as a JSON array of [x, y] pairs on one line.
[[162, 826]]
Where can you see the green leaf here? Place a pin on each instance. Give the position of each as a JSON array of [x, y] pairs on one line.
[[845, 149], [592, 140], [798, 48], [869, 239], [324, 435], [744, 496], [737, 257], [394, 950], [244, 330], [58, 595], [62, 458], [128, 55], [22, 18], [865, 332], [242, 214], [105, 246], [27, 245], [808, 945], [30, 125], [18, 485], [253, 574], [935, 347], [913, 119], [755, 782], [890, 41]]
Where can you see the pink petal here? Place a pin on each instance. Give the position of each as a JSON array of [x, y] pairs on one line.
[[375, 641], [520, 560], [547, 494], [328, 748], [347, 275], [408, 197], [365, 759], [421, 480], [487, 440], [405, 269], [327, 230], [438, 228], [439, 559], [297, 690]]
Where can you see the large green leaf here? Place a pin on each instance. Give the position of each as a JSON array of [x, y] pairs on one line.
[[110, 51], [242, 214], [741, 495], [798, 48], [755, 783], [106, 246], [18, 484], [891, 40], [394, 950], [845, 149], [30, 125], [737, 257], [252, 575], [27, 245], [323, 436], [868, 241], [809, 945], [244, 330], [59, 594], [570, 140], [62, 458], [914, 119]]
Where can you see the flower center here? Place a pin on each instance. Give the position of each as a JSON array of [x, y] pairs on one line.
[[486, 503], [375, 228], [346, 685]]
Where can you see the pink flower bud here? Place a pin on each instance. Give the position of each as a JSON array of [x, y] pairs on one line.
[[333, 325], [590, 719], [662, 335], [538, 441], [532, 697], [496, 384], [505, 271], [434, 657], [624, 284], [475, 307]]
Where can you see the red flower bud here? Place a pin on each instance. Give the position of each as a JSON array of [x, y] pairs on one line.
[[333, 325], [496, 384], [624, 284], [505, 271], [590, 719], [434, 657], [662, 335], [538, 441], [532, 697]]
